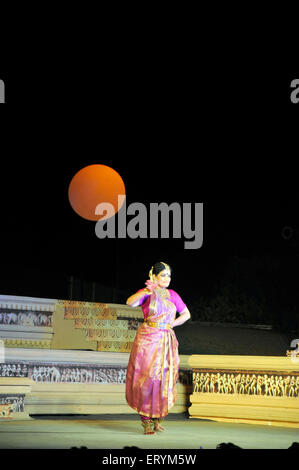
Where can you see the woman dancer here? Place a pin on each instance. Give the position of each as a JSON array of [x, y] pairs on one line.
[[153, 366]]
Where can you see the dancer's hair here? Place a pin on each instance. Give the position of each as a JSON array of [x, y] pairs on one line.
[[158, 267]]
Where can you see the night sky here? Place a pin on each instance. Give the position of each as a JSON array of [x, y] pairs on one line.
[[232, 145]]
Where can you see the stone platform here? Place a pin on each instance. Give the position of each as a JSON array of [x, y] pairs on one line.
[[246, 389], [77, 382], [118, 431]]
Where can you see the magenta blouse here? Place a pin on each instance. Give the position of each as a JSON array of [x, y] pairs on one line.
[[174, 298]]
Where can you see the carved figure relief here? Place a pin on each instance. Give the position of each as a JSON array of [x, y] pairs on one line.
[[12, 402], [76, 309], [74, 373], [13, 370], [246, 384], [25, 318]]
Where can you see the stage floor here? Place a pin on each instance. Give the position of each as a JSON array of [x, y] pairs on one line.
[[119, 431]]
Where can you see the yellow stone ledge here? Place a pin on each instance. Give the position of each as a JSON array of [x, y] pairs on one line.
[[243, 363], [248, 400], [15, 381], [248, 412], [27, 343]]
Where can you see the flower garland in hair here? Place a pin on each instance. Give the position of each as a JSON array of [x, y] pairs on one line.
[[166, 265], [151, 273]]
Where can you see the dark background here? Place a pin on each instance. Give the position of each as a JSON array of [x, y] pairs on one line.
[[227, 138]]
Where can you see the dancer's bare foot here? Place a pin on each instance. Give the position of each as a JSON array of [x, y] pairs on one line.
[[148, 427], [158, 426]]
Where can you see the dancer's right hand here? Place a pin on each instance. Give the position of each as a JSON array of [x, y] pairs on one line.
[[151, 286]]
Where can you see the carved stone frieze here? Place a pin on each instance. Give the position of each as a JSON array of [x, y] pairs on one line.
[[98, 324], [75, 373], [115, 346], [72, 373], [246, 383], [25, 317], [76, 309], [16, 402], [113, 334], [14, 370]]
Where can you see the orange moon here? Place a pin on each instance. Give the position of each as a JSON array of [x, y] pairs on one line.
[[93, 185]]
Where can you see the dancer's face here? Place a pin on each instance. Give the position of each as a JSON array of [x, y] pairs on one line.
[[164, 278]]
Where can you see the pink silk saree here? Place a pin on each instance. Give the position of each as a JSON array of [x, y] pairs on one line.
[[153, 366]]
